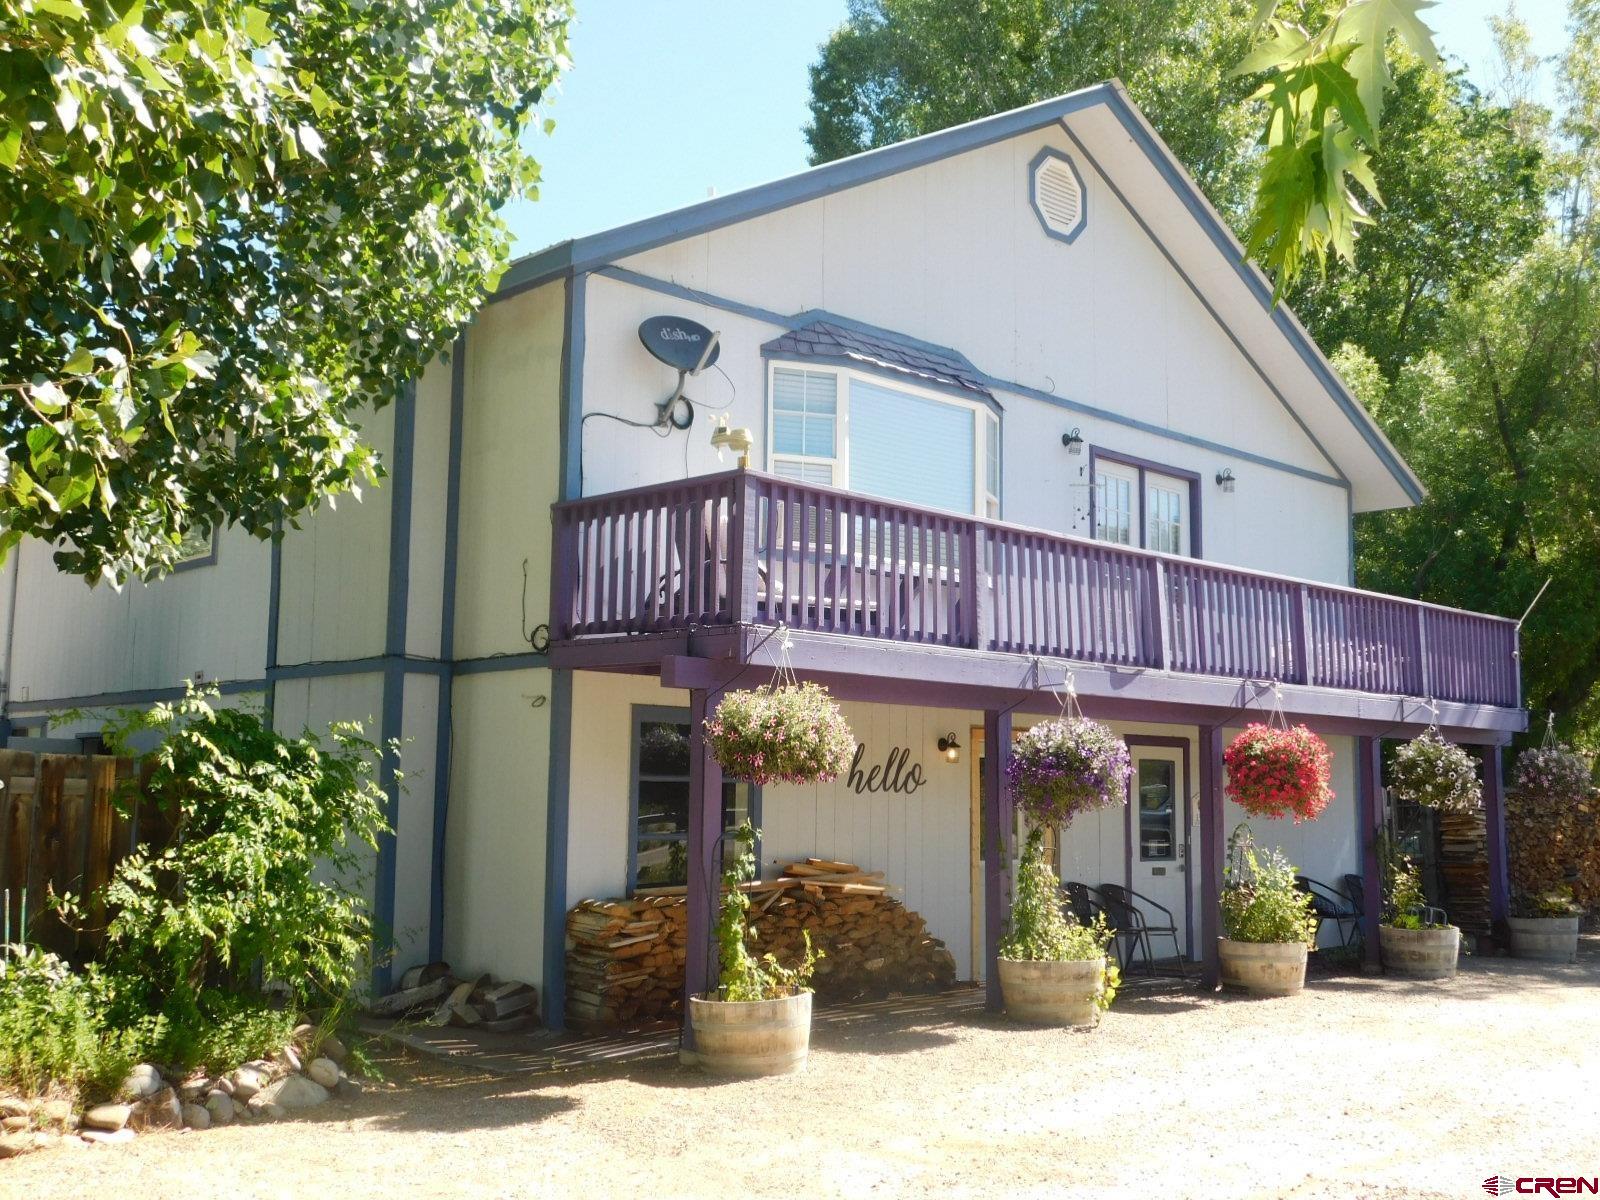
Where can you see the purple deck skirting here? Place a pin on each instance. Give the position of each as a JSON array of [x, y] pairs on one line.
[[746, 547]]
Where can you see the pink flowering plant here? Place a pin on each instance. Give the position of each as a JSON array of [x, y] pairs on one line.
[[1435, 773], [792, 733], [1551, 777], [1276, 772], [1059, 769]]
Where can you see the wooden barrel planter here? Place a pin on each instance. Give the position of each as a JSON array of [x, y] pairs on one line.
[[1420, 953], [751, 1037], [1263, 968], [1053, 993], [1548, 939]]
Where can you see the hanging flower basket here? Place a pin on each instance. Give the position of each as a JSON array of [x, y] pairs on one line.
[[1550, 778], [791, 733], [1059, 769], [1279, 772], [1435, 773]]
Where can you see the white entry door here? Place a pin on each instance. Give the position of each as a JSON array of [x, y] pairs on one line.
[[1159, 821]]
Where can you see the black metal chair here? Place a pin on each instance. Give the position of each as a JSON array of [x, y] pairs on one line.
[[1329, 905], [1355, 892], [1123, 906], [1086, 904]]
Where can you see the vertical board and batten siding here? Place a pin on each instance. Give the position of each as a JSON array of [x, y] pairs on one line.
[[952, 253]]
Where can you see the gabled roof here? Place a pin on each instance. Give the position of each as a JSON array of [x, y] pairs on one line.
[[1267, 333], [830, 341]]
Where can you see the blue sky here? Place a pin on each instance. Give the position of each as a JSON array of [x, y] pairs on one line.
[[667, 100]]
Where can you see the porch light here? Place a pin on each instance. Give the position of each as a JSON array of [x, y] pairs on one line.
[[1225, 479], [738, 440], [1073, 441], [950, 748]]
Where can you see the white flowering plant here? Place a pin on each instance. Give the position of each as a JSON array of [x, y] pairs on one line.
[[1435, 773]]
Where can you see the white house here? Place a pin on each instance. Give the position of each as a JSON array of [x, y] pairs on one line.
[[1023, 421]]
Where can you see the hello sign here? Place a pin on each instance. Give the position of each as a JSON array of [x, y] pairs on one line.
[[894, 775]]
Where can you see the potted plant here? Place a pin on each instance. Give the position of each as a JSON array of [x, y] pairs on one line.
[[1436, 774], [1544, 925], [1053, 970], [1410, 941], [1267, 922], [1279, 771], [758, 1021], [1550, 782], [1059, 769], [790, 733]]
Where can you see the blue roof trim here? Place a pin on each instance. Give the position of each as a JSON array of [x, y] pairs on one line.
[[1039, 159], [1161, 158]]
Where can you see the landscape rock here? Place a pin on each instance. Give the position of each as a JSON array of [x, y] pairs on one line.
[[111, 1117], [261, 1107], [196, 1117], [143, 1081], [295, 1092], [220, 1105], [15, 1144], [57, 1112], [323, 1071], [161, 1111], [107, 1136], [223, 1085], [191, 1089], [333, 1048], [247, 1081], [12, 1124], [15, 1106], [348, 1089], [290, 1057]]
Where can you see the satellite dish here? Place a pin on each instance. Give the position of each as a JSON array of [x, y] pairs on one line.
[[682, 344]]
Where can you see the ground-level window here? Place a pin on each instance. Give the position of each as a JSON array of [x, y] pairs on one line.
[[659, 855], [1137, 503]]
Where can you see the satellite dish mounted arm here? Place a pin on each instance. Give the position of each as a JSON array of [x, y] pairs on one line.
[[666, 411]]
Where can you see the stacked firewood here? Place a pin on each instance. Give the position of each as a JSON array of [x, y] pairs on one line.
[[1555, 845], [625, 958], [1464, 869], [435, 996]]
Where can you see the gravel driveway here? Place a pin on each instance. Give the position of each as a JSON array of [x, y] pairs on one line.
[[1361, 1087]]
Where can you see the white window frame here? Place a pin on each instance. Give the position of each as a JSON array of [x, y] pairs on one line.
[[982, 498]]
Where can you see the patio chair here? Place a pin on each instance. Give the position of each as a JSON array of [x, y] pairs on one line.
[[1355, 891], [1329, 905], [1123, 905], [1086, 904]]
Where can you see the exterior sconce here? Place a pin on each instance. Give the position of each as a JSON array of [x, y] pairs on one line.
[[1225, 479], [737, 440], [950, 748], [1073, 441]]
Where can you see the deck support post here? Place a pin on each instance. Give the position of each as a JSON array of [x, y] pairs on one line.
[[1211, 852], [1494, 819], [997, 827], [705, 827], [1369, 807]]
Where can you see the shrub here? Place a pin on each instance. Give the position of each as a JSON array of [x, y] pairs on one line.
[[793, 733], [1404, 904], [1038, 931], [1279, 773], [58, 1030], [743, 976], [1260, 902], [1059, 769], [1435, 773]]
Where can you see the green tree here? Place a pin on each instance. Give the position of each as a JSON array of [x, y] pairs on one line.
[[900, 68], [229, 229]]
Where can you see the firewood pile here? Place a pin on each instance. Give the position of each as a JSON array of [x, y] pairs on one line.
[[1464, 869], [625, 958], [1554, 845], [436, 997]]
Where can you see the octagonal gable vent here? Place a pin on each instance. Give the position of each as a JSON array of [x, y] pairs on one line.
[[1058, 195]]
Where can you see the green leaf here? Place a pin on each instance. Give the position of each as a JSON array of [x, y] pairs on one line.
[[1286, 46], [257, 25], [10, 147], [1367, 24], [80, 363]]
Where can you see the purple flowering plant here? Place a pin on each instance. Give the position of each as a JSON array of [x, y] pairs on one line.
[[1550, 778], [1435, 773], [792, 733], [1059, 769]]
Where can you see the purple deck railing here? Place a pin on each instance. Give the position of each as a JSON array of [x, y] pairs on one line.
[[746, 547]]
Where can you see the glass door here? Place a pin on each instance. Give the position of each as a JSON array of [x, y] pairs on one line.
[[1159, 822]]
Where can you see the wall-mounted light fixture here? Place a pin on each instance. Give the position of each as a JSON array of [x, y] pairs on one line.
[[1073, 441], [950, 748], [1225, 479]]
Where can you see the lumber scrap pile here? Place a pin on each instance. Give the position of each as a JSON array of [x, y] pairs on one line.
[[1464, 870], [436, 997], [625, 958]]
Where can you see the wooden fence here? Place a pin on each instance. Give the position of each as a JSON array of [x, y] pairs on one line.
[[62, 830]]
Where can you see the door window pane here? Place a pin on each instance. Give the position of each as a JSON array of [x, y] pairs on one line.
[[1113, 499], [1164, 512], [1158, 821]]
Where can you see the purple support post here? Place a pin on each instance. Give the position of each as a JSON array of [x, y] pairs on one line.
[[1369, 809], [1494, 815], [1211, 850], [705, 826], [997, 825]]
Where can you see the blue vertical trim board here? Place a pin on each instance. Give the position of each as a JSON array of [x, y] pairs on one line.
[[394, 678], [1350, 517], [274, 605], [444, 731], [558, 789]]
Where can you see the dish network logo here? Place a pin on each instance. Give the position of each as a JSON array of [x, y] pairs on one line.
[[1544, 1185]]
